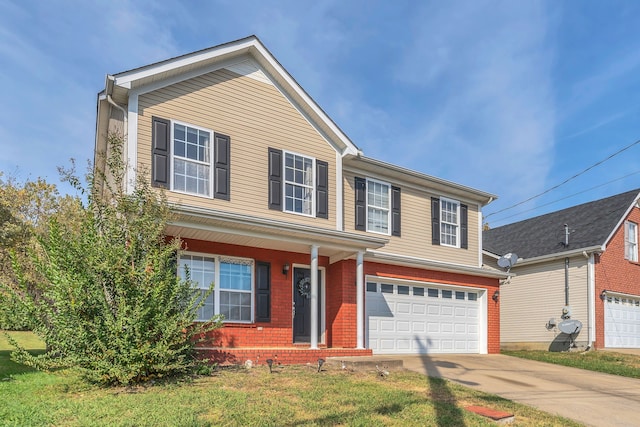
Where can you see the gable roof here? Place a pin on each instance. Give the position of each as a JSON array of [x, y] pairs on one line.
[[149, 77], [590, 224]]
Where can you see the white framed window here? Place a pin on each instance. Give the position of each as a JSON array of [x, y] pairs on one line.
[[378, 206], [191, 159], [299, 188], [449, 223], [631, 241], [233, 285]]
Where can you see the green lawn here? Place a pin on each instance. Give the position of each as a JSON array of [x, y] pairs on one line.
[[626, 365], [292, 395]]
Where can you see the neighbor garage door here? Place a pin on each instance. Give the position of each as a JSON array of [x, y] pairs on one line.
[[622, 322], [412, 319]]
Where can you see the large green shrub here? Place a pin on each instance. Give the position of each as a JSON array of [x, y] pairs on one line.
[[111, 303]]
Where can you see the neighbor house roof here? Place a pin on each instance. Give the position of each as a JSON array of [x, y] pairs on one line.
[[590, 224]]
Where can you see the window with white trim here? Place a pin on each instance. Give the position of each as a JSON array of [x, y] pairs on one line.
[[232, 295], [191, 160], [378, 206], [449, 223], [631, 241], [299, 182]]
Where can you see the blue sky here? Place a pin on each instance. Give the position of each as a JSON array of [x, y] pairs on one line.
[[510, 97]]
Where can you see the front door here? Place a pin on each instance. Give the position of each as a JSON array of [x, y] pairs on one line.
[[302, 305]]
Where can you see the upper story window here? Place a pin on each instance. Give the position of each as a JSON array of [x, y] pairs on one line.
[[190, 159], [449, 223], [233, 297], [631, 241], [377, 207], [298, 184]]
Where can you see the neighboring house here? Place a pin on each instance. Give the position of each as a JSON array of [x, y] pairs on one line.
[[315, 250], [591, 266]]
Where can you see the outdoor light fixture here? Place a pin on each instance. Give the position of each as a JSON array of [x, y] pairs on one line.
[[285, 268], [496, 296], [603, 295]]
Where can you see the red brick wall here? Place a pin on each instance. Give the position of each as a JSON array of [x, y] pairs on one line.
[[279, 331], [614, 273], [243, 341]]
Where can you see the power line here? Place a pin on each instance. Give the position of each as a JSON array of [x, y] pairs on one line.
[[566, 180], [569, 196]]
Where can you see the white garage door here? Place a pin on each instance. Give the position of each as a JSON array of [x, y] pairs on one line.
[[622, 322], [421, 319]]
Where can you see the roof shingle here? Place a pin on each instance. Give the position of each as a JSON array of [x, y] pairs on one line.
[[589, 225]]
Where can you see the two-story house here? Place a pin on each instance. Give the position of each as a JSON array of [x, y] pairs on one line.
[[314, 250], [580, 264]]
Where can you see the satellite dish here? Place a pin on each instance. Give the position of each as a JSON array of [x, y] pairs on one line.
[[570, 327], [508, 260]]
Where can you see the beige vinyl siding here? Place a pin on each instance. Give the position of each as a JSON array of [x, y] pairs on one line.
[[415, 239], [536, 295], [256, 116]]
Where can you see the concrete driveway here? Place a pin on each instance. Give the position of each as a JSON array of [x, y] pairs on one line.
[[589, 397]]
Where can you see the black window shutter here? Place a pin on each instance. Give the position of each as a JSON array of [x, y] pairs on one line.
[[464, 226], [263, 291], [395, 211], [435, 221], [322, 189], [160, 137], [361, 203], [221, 166], [275, 179]]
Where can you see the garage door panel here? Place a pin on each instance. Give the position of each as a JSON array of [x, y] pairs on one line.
[[403, 308], [418, 327], [417, 308], [402, 326], [387, 326]]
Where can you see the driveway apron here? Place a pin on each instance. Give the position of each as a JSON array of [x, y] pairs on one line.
[[592, 398]]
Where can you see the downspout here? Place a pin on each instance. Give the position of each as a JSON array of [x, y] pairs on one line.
[[591, 284], [566, 267]]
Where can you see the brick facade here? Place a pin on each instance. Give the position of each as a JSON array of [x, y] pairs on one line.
[[258, 341], [614, 273]]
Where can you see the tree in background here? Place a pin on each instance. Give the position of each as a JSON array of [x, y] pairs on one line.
[[111, 303], [25, 211]]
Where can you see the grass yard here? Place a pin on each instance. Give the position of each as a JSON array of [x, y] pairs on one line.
[[291, 396], [626, 365]]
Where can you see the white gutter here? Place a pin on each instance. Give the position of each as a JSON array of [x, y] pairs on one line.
[[409, 261], [559, 255]]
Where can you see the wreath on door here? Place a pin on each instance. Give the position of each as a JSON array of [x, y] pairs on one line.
[[304, 287]]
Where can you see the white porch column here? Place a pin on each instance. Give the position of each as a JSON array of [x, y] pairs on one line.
[[360, 300], [314, 297]]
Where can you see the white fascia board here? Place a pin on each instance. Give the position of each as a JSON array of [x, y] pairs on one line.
[[410, 261], [559, 255], [127, 79], [622, 220]]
